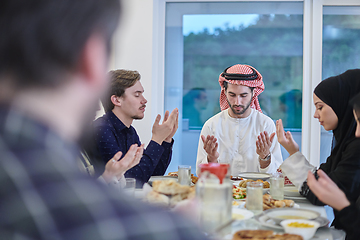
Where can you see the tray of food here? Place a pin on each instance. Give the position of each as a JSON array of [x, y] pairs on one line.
[[242, 184], [167, 193], [270, 203], [194, 179]]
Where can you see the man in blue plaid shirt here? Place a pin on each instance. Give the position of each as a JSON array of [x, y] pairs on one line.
[[53, 63]]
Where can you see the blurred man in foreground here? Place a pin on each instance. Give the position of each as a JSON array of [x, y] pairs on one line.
[[53, 63]]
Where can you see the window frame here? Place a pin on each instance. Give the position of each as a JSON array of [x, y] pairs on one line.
[[312, 62]]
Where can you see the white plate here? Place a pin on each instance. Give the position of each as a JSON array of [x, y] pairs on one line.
[[296, 198], [255, 175], [278, 214], [291, 191], [267, 222], [153, 178], [236, 183], [246, 214], [243, 201]]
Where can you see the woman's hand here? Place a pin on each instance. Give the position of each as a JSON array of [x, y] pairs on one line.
[[327, 191], [286, 139]]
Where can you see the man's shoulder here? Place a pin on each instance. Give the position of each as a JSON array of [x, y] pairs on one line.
[[110, 121], [72, 186], [259, 116], [19, 132], [103, 121], [217, 117]]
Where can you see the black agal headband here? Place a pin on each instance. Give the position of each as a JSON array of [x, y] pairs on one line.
[[238, 76]]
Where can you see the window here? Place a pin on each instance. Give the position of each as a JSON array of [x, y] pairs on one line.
[[202, 39], [341, 51]]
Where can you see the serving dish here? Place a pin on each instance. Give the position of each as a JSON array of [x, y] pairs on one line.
[[297, 199], [265, 190], [153, 178], [242, 202], [280, 214], [241, 214], [254, 175], [291, 191], [268, 222], [306, 232]]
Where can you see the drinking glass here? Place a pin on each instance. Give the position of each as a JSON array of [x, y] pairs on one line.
[[129, 188], [254, 197], [277, 186], [184, 175]]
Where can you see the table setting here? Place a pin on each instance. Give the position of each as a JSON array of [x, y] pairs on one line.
[[301, 210], [276, 211]]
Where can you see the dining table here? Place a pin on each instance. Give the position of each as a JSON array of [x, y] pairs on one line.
[[323, 233]]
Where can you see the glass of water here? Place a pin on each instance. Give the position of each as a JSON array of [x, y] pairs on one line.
[[254, 197], [129, 188], [184, 175], [277, 186]]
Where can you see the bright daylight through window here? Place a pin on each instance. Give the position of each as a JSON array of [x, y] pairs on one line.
[[201, 41]]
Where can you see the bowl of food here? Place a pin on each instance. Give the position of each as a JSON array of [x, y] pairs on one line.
[[280, 214], [304, 228], [241, 214]]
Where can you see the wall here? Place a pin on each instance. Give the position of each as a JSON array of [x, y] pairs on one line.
[[132, 49]]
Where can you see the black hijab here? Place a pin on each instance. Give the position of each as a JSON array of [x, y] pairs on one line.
[[337, 92]]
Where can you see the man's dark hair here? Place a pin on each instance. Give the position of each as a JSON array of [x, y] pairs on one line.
[[41, 40], [225, 85], [120, 80]]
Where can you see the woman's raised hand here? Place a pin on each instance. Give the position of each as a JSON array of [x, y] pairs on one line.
[[285, 138]]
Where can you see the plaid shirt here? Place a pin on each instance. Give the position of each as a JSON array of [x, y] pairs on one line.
[[44, 196]]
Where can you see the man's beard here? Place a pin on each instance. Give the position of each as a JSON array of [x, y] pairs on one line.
[[138, 117], [237, 112]]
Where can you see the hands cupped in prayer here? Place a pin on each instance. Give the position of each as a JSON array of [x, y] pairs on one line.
[[166, 130], [210, 147], [116, 168], [263, 144]]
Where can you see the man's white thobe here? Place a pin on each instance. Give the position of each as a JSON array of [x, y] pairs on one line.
[[237, 141]]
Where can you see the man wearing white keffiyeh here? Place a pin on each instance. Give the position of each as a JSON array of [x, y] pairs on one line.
[[240, 134]]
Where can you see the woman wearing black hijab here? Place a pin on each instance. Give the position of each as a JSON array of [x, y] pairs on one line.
[[331, 99], [325, 189]]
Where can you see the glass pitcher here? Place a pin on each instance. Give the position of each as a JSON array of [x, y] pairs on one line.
[[214, 192]]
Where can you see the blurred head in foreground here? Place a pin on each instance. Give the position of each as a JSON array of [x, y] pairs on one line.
[[54, 56], [53, 64]]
